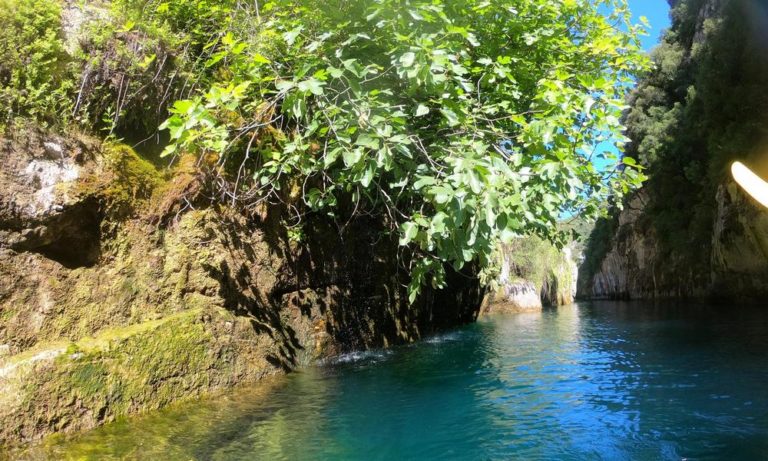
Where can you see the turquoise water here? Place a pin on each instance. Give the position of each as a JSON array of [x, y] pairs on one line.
[[590, 382]]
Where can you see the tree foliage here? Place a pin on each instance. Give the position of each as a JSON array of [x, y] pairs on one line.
[[462, 123]]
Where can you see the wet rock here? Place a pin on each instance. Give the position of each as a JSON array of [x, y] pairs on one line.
[[519, 296]]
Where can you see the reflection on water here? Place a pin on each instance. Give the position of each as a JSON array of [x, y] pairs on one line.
[[596, 381]]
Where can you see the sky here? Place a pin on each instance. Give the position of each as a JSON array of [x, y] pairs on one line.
[[657, 12]]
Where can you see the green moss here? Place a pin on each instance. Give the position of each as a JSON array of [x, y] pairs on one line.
[[532, 259], [125, 185], [87, 379], [122, 370], [134, 177], [6, 314]]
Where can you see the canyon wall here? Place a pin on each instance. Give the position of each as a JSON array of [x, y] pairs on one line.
[[637, 267], [690, 232]]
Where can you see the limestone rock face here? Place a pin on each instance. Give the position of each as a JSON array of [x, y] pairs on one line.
[[40, 209], [75, 15], [533, 274], [739, 266], [636, 268], [518, 296], [106, 310]]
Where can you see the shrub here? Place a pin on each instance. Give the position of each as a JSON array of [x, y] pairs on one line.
[[35, 79]]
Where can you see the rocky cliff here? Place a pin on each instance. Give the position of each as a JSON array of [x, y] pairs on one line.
[[690, 232], [636, 266], [116, 299], [533, 274]]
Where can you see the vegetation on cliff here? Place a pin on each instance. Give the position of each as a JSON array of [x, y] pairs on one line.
[[701, 106], [532, 266], [456, 131]]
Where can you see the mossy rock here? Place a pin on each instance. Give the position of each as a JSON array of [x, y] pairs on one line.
[[65, 388], [124, 181]]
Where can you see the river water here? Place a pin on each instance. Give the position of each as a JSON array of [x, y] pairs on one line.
[[594, 381]]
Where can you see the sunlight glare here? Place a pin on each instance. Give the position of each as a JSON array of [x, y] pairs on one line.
[[750, 182]]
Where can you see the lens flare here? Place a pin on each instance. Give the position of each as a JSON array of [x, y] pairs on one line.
[[750, 182]]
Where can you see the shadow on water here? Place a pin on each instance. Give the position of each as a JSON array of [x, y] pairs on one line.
[[595, 381]]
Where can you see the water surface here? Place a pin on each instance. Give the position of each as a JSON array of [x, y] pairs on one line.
[[612, 381]]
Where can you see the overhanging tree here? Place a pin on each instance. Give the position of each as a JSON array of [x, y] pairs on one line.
[[462, 123]]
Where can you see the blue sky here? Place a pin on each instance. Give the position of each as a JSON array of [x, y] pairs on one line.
[[657, 12]]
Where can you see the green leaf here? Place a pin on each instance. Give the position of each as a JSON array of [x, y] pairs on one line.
[[239, 90], [424, 181], [450, 116], [285, 85], [169, 150], [260, 59], [352, 156], [312, 85], [291, 36], [331, 156], [629, 161], [408, 231], [422, 110], [475, 182], [441, 194], [368, 174], [408, 59], [366, 140], [182, 106]]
